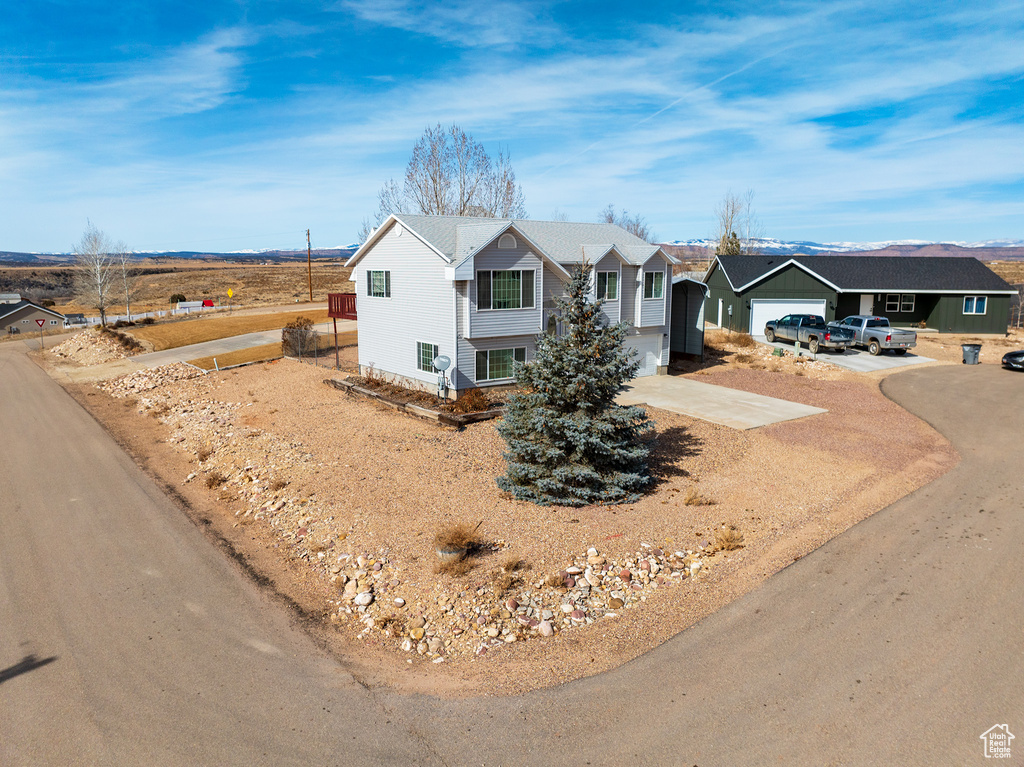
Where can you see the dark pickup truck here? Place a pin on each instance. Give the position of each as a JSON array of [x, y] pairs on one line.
[[809, 329]]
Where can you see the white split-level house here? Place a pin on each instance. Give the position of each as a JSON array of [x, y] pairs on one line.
[[480, 290]]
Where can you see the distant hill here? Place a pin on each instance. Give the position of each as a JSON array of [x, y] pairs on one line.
[[10, 258], [998, 250]]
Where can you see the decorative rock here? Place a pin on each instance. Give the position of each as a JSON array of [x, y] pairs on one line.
[[416, 633], [577, 615], [511, 604], [591, 552], [567, 608], [421, 648], [365, 599], [493, 632], [626, 575], [481, 621], [545, 629], [573, 570], [406, 645], [418, 622], [435, 645], [510, 638], [614, 603], [595, 560], [399, 602], [547, 615]]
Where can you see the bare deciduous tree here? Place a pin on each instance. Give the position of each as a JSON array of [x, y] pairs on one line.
[[94, 276], [738, 232], [450, 174], [635, 225], [125, 275]]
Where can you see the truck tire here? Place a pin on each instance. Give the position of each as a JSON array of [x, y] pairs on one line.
[[769, 335], [812, 346], [874, 348]]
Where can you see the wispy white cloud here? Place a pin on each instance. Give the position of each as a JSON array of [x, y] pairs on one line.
[[462, 22]]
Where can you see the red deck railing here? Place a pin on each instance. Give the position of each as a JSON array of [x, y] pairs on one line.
[[341, 306]]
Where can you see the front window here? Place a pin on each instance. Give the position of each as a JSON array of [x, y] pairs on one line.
[[975, 304], [425, 354], [654, 284], [496, 364], [378, 284], [608, 285], [892, 303], [907, 303], [507, 289]]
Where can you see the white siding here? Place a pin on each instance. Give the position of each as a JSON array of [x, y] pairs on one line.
[[653, 311], [505, 322], [419, 309]]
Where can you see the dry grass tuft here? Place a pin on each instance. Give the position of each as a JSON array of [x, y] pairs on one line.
[[203, 453], [504, 582], [744, 359], [460, 535], [215, 479], [473, 401], [743, 340], [456, 569], [278, 484], [513, 564], [694, 498], [728, 538], [160, 410]]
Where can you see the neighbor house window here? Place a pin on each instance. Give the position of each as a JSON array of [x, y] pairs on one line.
[[378, 284], [496, 364], [506, 241], [907, 303], [975, 304], [425, 354], [608, 285], [892, 302], [509, 289], [654, 284], [53, 322]]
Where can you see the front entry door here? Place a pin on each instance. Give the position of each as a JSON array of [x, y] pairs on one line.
[[867, 301]]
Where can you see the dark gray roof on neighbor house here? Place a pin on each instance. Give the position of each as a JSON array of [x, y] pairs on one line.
[[8, 309], [874, 274], [562, 241]]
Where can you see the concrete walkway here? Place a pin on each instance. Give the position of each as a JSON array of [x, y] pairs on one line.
[[708, 402], [857, 360]]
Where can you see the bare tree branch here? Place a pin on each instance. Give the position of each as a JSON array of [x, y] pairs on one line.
[[635, 225], [739, 231], [94, 274]]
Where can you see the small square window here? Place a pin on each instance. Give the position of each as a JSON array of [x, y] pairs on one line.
[[497, 364], [892, 303], [608, 286], [378, 284], [907, 303], [425, 354], [975, 304]]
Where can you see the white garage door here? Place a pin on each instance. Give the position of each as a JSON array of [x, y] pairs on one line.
[[648, 350], [764, 309]]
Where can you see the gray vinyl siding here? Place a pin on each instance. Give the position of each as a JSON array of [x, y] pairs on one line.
[[610, 309], [506, 322], [419, 309], [552, 286], [629, 290], [653, 311], [465, 377]]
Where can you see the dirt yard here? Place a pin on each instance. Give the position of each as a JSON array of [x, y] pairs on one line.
[[336, 501]]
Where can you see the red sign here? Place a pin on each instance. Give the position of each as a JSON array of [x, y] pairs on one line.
[[40, 323]]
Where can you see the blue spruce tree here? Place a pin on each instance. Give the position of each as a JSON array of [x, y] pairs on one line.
[[568, 443]]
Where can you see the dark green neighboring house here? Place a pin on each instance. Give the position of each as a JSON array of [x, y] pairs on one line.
[[949, 295]]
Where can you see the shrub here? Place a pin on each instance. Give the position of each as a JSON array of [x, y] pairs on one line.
[[215, 479], [203, 453], [298, 337], [176, 297], [147, 320], [504, 582], [472, 401], [461, 535], [728, 538], [743, 340], [694, 498], [47, 302]]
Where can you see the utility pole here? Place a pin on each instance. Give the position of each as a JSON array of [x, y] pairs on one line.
[[309, 266]]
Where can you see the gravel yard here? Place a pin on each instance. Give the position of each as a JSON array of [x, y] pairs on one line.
[[337, 500]]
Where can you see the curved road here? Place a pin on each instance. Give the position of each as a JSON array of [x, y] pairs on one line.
[[126, 638]]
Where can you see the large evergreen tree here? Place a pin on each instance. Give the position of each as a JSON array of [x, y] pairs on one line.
[[568, 442]]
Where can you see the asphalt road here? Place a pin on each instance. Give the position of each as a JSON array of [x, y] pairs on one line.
[[126, 638]]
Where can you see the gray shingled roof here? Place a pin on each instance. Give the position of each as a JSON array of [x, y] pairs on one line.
[[876, 273], [561, 241], [8, 309]]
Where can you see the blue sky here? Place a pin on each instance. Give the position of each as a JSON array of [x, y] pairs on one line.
[[232, 125]]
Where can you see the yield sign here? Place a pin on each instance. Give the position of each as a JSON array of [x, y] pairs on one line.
[[40, 323]]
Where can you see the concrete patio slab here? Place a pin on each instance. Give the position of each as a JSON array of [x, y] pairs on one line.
[[708, 402]]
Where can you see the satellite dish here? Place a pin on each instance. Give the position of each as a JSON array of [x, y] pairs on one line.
[[441, 362]]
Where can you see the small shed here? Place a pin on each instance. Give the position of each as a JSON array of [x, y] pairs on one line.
[[687, 332]]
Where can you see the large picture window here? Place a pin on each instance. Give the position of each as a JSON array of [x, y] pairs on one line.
[[607, 285], [425, 354], [496, 364], [507, 289], [654, 284], [378, 284], [975, 304]]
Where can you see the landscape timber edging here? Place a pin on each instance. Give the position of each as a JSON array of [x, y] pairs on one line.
[[457, 420]]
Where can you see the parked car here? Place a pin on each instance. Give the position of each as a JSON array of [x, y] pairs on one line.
[[74, 321], [808, 329], [876, 334], [1014, 360]]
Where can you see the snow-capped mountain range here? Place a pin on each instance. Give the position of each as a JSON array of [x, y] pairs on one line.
[[786, 247]]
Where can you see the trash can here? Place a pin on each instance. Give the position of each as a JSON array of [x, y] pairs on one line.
[[971, 353]]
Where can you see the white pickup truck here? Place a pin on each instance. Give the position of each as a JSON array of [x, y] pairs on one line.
[[876, 335]]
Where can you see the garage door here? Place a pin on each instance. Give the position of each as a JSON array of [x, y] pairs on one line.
[[764, 309], [648, 350]]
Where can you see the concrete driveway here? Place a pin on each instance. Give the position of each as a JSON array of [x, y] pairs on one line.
[[708, 402], [857, 360]]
